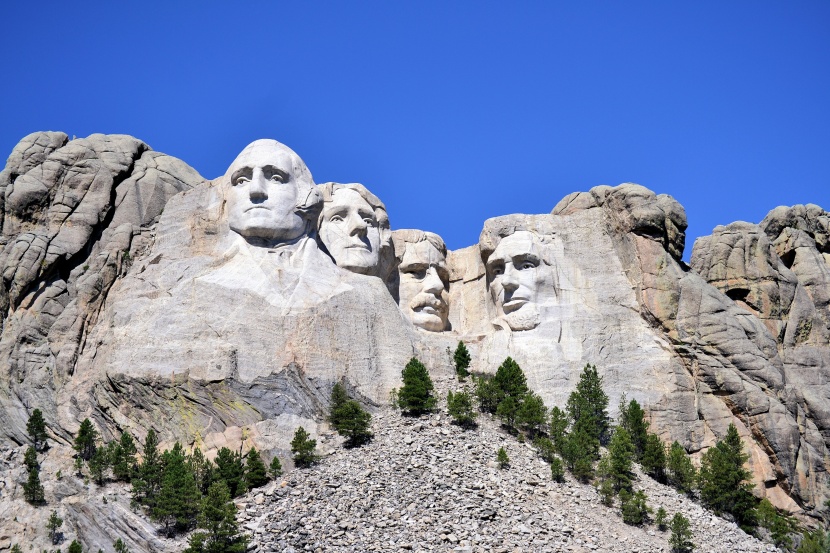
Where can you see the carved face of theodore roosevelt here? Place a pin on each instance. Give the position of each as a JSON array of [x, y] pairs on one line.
[[423, 278], [271, 194], [515, 276]]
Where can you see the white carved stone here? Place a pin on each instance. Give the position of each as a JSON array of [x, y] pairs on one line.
[[423, 278], [354, 229]]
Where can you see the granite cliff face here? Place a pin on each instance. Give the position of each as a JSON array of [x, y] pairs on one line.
[[141, 295]]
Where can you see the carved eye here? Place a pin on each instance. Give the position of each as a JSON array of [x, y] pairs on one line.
[[276, 177], [241, 180], [498, 270], [370, 221], [526, 265], [419, 274], [335, 218]]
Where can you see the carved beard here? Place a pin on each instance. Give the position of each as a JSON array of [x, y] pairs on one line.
[[526, 318]]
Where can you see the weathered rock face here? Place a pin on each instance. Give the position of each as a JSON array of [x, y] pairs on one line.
[[140, 295]]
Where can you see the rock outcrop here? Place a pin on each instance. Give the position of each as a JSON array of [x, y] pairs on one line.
[[141, 295]]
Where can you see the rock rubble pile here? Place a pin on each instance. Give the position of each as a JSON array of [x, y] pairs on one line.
[[425, 484]]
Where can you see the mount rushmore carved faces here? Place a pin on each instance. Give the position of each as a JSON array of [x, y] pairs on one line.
[[354, 228], [424, 278], [271, 198], [515, 276]]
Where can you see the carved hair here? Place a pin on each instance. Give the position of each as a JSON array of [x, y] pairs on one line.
[[492, 234], [403, 237]]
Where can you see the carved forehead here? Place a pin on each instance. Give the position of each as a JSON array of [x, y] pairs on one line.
[[422, 253], [346, 196], [270, 152], [519, 243]]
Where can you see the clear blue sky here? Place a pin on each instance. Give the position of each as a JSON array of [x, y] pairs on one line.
[[451, 112]]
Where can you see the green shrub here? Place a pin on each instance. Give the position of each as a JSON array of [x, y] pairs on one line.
[[653, 459], [275, 468], [588, 409], [255, 471], [502, 459], [661, 519]]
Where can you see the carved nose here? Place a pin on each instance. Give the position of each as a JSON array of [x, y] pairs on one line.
[[433, 283], [357, 226], [508, 279], [258, 189]]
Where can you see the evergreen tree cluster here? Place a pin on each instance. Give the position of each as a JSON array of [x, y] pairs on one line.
[[461, 358], [177, 488], [507, 396]]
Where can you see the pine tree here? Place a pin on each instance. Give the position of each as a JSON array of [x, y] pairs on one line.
[[462, 359], [681, 473], [120, 547], [30, 459], [510, 381], [75, 547], [558, 428], [460, 408], [680, 540], [557, 470], [814, 542], [52, 526], [588, 409], [621, 460], [217, 517], [532, 413], [661, 519], [36, 427], [725, 485], [255, 472], [487, 393], [202, 470], [502, 459], [33, 489], [99, 464], [633, 507], [507, 410], [85, 440], [177, 502], [653, 459], [415, 396], [231, 469], [302, 448], [578, 452], [275, 468], [633, 419], [123, 458], [545, 448], [349, 418], [781, 527], [147, 482]]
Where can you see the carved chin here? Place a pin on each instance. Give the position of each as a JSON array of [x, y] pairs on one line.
[[433, 323], [526, 318]]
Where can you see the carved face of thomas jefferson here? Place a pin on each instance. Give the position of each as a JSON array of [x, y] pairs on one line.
[[515, 277], [351, 232], [270, 193]]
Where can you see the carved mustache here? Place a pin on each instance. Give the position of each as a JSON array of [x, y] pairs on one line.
[[428, 300]]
